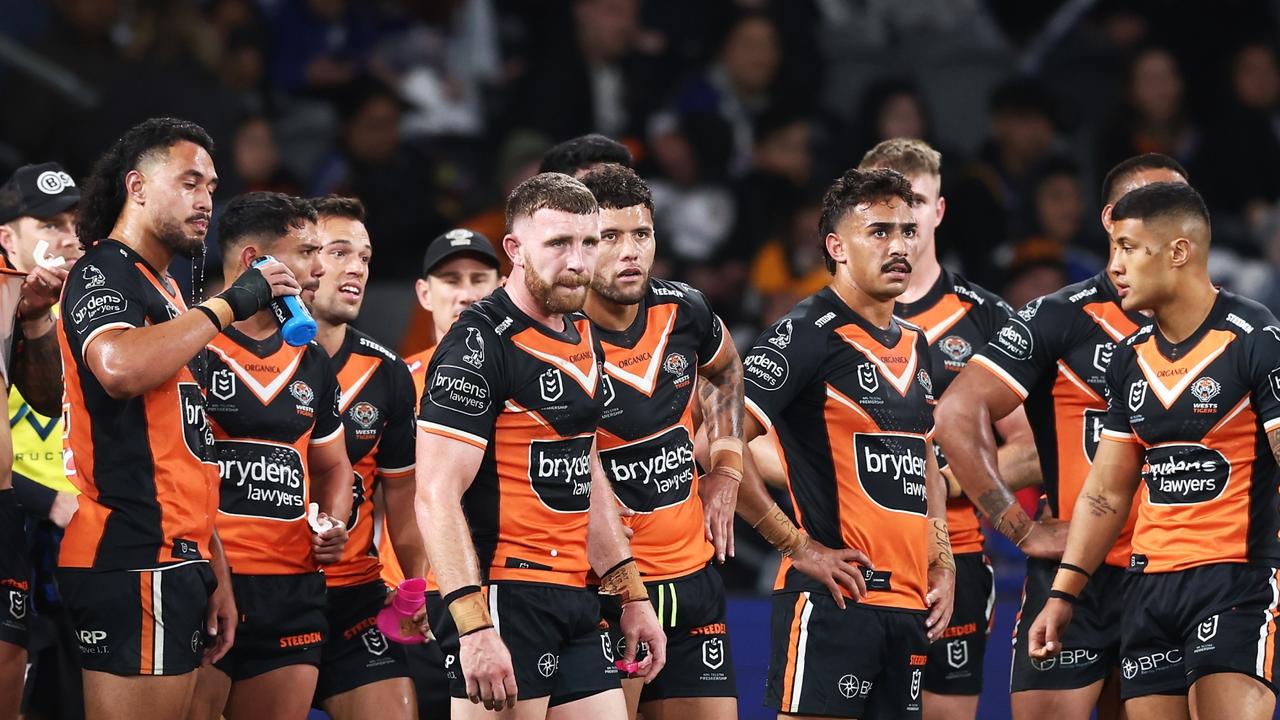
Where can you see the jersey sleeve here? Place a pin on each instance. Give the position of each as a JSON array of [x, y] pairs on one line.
[[1116, 425], [104, 293], [925, 378], [783, 362], [465, 388], [1264, 374], [395, 454], [715, 341], [328, 426], [993, 314], [1027, 344]]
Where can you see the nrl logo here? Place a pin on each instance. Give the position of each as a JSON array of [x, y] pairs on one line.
[[1137, 394]]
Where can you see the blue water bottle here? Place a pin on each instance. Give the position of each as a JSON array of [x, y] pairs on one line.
[[296, 324]]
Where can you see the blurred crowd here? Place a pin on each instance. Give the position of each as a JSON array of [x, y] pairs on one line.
[[738, 111]]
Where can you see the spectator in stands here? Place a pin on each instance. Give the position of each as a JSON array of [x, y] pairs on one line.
[[1155, 117], [318, 46], [767, 196], [889, 108], [790, 266], [1030, 280], [1059, 234], [256, 161], [739, 85]]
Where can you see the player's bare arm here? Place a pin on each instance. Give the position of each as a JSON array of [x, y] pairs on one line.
[[720, 398], [964, 418], [1100, 514], [222, 617], [396, 502], [609, 553], [330, 472], [837, 569], [445, 469], [37, 365], [942, 563], [129, 362]]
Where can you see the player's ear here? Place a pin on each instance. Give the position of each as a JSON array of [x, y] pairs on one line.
[[135, 186], [8, 240], [1106, 218], [511, 245], [1179, 251], [835, 248], [248, 254], [942, 208], [422, 288]]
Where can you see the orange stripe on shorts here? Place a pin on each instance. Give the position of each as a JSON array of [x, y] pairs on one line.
[[793, 643], [148, 662]]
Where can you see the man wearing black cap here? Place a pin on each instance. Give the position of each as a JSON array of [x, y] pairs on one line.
[[37, 235], [460, 267]]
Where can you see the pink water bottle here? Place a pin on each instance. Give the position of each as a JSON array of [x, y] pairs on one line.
[[396, 620]]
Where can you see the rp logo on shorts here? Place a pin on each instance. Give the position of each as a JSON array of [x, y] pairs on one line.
[[958, 653], [1207, 629], [17, 604], [713, 653], [374, 641]]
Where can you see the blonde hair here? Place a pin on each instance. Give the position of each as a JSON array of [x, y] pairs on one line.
[[908, 156]]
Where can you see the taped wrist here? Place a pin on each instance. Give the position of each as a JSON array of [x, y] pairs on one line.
[[778, 530], [623, 581], [248, 294], [213, 316], [469, 610], [1070, 581], [940, 554], [726, 455]]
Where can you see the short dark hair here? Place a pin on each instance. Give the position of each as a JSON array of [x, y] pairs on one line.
[[616, 187], [1134, 165], [338, 206], [1161, 200], [857, 187], [268, 215], [549, 191], [584, 151], [104, 193]]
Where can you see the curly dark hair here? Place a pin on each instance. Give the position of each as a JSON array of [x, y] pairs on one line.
[[103, 195], [339, 206], [858, 187], [617, 187], [267, 215]]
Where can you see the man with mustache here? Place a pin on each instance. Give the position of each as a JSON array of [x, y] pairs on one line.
[[659, 338], [134, 569], [514, 504], [867, 580], [280, 447]]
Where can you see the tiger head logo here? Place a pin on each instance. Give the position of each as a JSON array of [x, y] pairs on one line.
[[1205, 389], [365, 414]]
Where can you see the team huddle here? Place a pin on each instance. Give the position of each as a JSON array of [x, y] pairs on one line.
[[564, 465]]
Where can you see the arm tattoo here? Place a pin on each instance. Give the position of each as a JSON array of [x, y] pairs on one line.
[[37, 372], [1273, 437], [721, 399], [1099, 506], [994, 502]]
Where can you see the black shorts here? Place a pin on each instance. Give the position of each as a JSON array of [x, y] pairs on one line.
[[357, 653], [862, 662], [430, 686], [692, 611], [955, 660], [1182, 626], [15, 571], [148, 622], [282, 623], [1091, 644], [554, 635]]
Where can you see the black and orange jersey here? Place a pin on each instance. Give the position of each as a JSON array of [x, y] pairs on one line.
[[646, 432], [1053, 354], [530, 398], [377, 408], [1201, 410], [957, 317], [268, 403], [144, 464], [392, 573], [852, 405]]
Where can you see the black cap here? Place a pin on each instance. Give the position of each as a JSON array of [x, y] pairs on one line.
[[456, 242], [39, 191]]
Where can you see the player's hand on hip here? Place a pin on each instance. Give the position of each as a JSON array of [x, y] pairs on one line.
[[1047, 539], [1046, 632], [837, 569], [220, 623], [326, 547], [486, 667], [640, 625], [940, 599], [719, 493]]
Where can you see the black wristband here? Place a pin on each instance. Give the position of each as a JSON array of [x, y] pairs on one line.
[[248, 294], [1063, 595], [213, 316], [460, 592], [1074, 568]]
